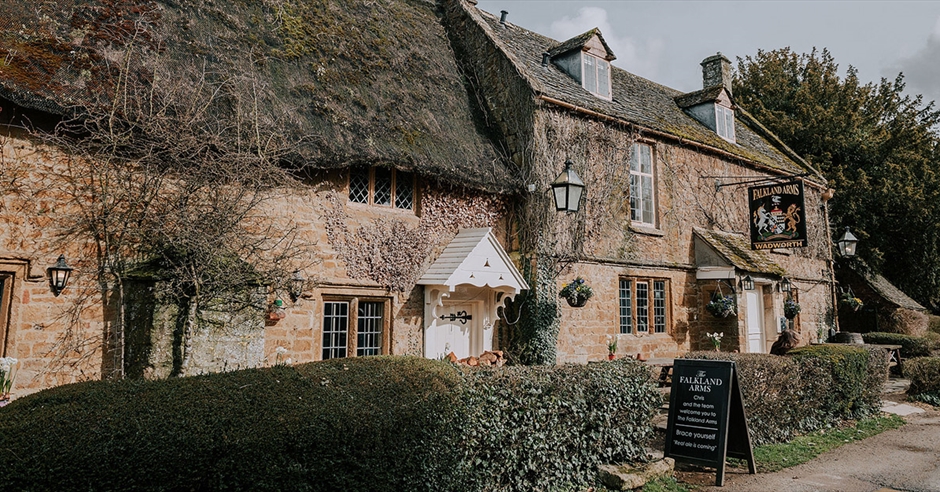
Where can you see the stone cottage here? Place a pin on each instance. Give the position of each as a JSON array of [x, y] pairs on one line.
[[393, 199], [413, 145], [665, 220]]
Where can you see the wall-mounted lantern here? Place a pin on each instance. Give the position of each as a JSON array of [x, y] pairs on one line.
[[59, 275], [847, 244], [296, 286], [747, 283], [568, 189], [786, 286]]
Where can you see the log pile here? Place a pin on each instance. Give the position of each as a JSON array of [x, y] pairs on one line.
[[489, 358]]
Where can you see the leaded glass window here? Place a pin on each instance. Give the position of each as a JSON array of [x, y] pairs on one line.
[[359, 185]]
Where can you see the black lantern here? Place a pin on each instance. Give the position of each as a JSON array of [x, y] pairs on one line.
[[568, 189], [847, 244], [296, 287], [747, 283], [785, 285], [59, 275]]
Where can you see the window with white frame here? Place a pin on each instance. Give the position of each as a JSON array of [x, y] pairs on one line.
[[354, 326], [642, 185], [382, 187], [595, 75], [724, 122], [643, 306]]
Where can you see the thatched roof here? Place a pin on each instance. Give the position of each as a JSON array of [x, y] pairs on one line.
[[639, 101], [346, 82]]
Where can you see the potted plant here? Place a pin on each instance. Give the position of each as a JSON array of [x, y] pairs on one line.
[[577, 292], [716, 339], [611, 347], [791, 308], [7, 373], [722, 306]]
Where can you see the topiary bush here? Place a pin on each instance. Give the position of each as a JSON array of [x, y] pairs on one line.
[[372, 423], [811, 388], [911, 346]]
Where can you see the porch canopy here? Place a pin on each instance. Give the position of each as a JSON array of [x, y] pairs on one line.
[[474, 257], [720, 255]]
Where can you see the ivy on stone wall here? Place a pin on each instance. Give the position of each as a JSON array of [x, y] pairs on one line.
[[394, 255], [539, 324]]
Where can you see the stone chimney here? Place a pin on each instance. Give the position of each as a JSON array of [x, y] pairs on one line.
[[716, 71]]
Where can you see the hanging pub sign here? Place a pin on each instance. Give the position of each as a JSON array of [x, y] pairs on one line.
[[777, 216]]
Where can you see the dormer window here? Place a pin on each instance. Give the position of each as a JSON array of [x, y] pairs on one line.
[[596, 75], [724, 122]]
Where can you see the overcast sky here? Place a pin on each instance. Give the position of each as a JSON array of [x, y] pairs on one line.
[[666, 40]]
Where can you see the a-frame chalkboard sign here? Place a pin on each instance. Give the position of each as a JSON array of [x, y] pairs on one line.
[[707, 422]]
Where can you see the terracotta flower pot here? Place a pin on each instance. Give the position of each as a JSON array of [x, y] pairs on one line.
[[611, 356]]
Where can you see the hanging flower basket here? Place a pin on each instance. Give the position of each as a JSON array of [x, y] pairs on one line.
[[577, 292], [791, 308], [722, 306], [849, 300]]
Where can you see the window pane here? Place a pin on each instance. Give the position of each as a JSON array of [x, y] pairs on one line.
[[404, 191], [335, 329], [359, 185], [647, 191], [626, 314], [603, 78], [635, 198], [369, 324], [646, 159], [720, 121], [383, 187], [729, 123], [635, 158], [642, 307], [659, 306], [589, 73]]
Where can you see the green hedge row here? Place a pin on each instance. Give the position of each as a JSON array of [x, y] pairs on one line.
[[375, 423], [911, 346], [924, 373], [811, 388]]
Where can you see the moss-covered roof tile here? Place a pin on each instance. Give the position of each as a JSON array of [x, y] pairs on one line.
[[642, 102]]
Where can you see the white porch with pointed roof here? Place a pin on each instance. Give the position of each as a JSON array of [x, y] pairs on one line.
[[463, 288]]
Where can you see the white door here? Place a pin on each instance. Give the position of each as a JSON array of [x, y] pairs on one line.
[[755, 321], [460, 331]]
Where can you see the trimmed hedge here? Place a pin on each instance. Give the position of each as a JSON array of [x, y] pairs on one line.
[[371, 423], [548, 428], [810, 388], [911, 346], [924, 373]]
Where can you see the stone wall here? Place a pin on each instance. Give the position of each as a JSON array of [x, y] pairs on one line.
[[345, 249], [613, 248]]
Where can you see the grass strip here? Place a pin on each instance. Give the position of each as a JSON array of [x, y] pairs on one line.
[[774, 457]]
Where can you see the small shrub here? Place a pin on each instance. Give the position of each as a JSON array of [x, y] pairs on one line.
[[911, 346], [924, 373]]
